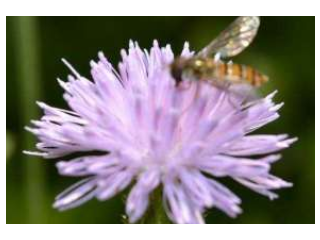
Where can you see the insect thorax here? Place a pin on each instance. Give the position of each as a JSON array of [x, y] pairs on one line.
[[192, 69]]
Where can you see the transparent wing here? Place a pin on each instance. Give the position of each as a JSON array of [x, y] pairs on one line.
[[234, 39]]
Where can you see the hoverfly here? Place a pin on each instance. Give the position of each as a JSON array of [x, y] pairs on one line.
[[204, 67]]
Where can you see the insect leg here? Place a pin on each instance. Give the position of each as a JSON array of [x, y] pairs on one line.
[[233, 98]]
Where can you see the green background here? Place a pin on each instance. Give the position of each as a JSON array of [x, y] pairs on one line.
[[284, 49]]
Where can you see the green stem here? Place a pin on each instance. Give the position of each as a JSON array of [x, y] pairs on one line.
[[28, 67], [155, 213]]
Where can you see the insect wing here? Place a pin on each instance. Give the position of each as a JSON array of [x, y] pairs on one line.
[[234, 39]]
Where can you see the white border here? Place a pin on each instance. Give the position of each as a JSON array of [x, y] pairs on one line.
[[155, 232], [160, 7], [149, 7]]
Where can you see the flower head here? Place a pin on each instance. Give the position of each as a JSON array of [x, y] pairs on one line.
[[154, 134]]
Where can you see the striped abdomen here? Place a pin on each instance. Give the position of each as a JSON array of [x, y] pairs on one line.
[[237, 73], [208, 69]]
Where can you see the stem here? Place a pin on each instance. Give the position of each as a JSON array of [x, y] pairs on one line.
[[27, 59], [155, 213]]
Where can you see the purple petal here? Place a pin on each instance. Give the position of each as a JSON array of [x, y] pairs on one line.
[[259, 144], [76, 195], [138, 198]]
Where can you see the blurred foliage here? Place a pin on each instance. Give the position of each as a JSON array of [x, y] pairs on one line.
[[284, 49], [9, 144]]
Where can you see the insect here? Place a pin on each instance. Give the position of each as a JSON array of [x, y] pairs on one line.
[[230, 42]]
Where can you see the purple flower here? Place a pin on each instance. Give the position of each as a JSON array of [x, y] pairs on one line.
[[155, 134]]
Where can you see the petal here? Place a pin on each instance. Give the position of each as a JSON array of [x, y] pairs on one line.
[[261, 113], [112, 184], [76, 195], [263, 184], [258, 144], [197, 187], [186, 51], [62, 132], [138, 198], [87, 165], [221, 166], [224, 199], [179, 206], [207, 193], [136, 69]]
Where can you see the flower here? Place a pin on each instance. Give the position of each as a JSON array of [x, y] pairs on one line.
[[154, 134]]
